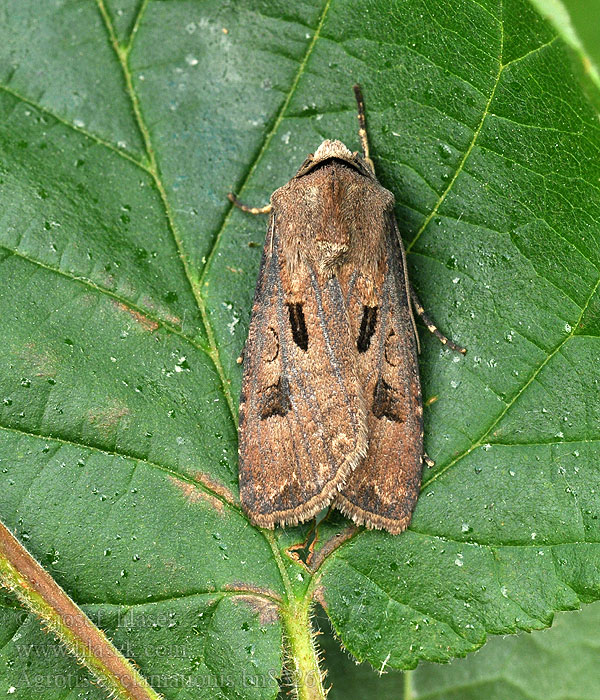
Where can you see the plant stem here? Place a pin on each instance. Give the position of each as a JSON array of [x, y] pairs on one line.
[[304, 658], [408, 693], [37, 590]]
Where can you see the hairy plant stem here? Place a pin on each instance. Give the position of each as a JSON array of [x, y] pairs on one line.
[[303, 661], [37, 590]]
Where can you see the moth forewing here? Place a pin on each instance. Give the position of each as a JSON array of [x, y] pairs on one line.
[[382, 492]]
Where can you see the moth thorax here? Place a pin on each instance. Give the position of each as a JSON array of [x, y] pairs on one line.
[[329, 254]]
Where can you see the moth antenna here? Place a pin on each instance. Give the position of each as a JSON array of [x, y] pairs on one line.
[[362, 126], [244, 207], [432, 328]]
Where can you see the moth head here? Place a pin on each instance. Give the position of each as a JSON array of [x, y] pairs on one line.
[[336, 150], [331, 149]]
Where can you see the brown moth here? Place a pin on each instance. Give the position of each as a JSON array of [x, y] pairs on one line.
[[331, 410]]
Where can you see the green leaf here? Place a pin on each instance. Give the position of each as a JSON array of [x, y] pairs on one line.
[[125, 288], [557, 663]]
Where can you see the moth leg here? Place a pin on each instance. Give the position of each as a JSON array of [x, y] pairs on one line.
[[362, 126], [431, 325], [244, 207]]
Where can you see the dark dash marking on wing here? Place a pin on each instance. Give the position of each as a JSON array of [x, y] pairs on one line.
[[298, 324], [367, 328]]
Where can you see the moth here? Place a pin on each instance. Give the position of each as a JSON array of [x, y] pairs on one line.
[[331, 412]]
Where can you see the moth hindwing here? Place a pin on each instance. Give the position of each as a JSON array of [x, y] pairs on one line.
[[331, 410]]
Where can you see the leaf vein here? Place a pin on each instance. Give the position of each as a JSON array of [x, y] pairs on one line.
[[410, 606], [136, 24], [269, 137], [529, 53], [467, 153], [155, 172], [123, 455], [86, 282], [532, 378], [69, 125]]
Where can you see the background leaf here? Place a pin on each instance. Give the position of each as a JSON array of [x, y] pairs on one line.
[[125, 295], [577, 22], [560, 663]]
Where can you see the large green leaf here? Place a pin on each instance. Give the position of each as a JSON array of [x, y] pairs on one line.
[[126, 281]]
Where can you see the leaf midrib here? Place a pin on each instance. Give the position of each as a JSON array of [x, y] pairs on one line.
[[123, 57], [196, 287], [151, 168]]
